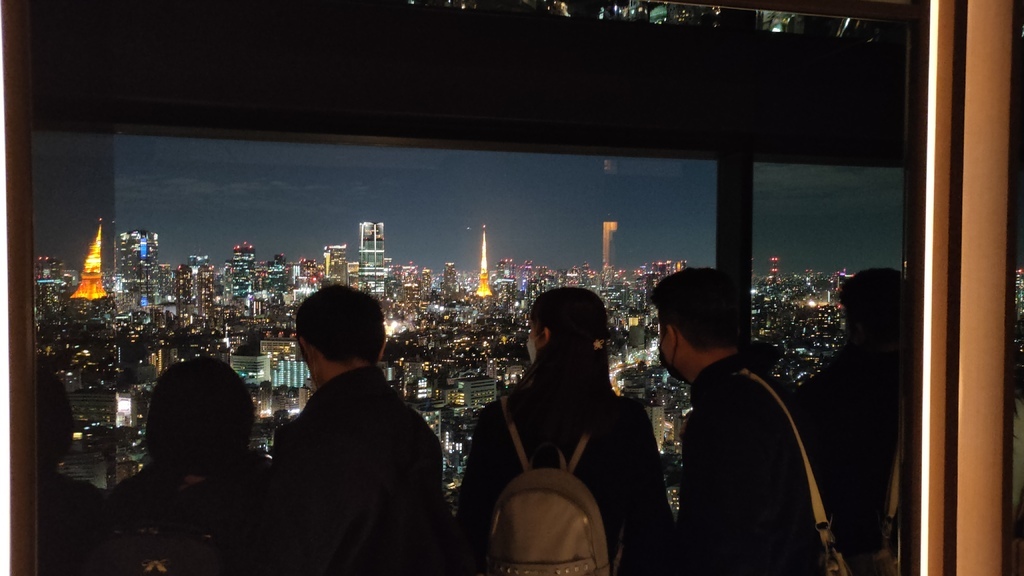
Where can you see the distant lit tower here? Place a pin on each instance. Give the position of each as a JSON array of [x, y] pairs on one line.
[[773, 266], [336, 264], [371, 258], [484, 290], [137, 266], [91, 286], [606, 243], [243, 270]]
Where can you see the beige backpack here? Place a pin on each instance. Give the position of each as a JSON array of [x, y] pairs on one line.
[[546, 521]]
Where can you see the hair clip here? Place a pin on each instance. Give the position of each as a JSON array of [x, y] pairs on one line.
[[598, 344]]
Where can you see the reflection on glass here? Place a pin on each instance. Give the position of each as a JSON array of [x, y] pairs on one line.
[[813, 227]]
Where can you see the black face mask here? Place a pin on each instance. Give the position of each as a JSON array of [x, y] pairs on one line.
[[672, 371]]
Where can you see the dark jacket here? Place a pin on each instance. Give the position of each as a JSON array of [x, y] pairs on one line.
[[622, 469], [854, 404], [355, 489], [69, 522], [221, 505], [745, 505]]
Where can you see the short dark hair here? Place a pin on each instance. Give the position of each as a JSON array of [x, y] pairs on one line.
[[54, 423], [872, 298], [701, 304], [200, 417], [342, 324]]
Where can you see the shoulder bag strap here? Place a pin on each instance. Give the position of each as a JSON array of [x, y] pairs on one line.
[[820, 519], [892, 499], [515, 435]]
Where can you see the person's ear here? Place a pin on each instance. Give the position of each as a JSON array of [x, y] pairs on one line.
[[380, 355], [543, 337], [669, 335]]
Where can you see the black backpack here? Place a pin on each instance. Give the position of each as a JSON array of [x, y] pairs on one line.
[[155, 550]]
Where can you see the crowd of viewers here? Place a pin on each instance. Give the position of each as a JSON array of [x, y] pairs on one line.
[[354, 483]]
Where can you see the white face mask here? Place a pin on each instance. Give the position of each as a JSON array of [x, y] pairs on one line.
[[531, 348]]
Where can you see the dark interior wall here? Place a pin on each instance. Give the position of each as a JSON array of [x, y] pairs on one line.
[[401, 71]]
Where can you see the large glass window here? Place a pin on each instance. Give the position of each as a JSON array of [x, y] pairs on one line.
[[814, 226], [206, 247]]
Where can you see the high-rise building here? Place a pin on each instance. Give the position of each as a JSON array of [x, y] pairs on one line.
[[371, 258], [184, 290], [243, 270], [50, 289], [137, 262], [336, 264], [91, 286], [164, 283], [277, 277], [426, 283], [484, 289], [205, 289], [449, 282]]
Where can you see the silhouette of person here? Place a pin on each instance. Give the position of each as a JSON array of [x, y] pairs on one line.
[[854, 405], [355, 487], [69, 511], [202, 474], [567, 392], [744, 501]]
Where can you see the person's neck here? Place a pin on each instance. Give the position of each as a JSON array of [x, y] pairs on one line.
[[332, 369], [704, 358]]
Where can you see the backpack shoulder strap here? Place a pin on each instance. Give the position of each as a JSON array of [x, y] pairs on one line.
[[523, 460], [820, 518], [578, 453]]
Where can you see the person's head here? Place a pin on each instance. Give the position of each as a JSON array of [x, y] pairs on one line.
[[568, 324], [698, 318], [54, 424], [567, 383], [871, 299], [200, 417], [338, 329]]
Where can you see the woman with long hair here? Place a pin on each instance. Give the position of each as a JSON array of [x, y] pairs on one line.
[[565, 393]]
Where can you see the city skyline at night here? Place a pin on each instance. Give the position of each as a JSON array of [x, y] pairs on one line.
[[205, 196]]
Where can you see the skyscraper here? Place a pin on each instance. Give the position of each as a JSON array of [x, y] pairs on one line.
[[137, 264], [91, 287], [336, 264], [204, 287], [371, 258], [484, 289], [449, 282], [243, 270], [50, 289], [184, 290]]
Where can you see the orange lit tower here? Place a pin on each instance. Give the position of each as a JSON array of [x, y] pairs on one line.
[[484, 289], [91, 287]]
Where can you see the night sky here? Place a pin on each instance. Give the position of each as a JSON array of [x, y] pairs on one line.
[[205, 196]]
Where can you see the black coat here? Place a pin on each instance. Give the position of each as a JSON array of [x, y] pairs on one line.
[[622, 469], [854, 404], [745, 504], [355, 489], [221, 505]]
